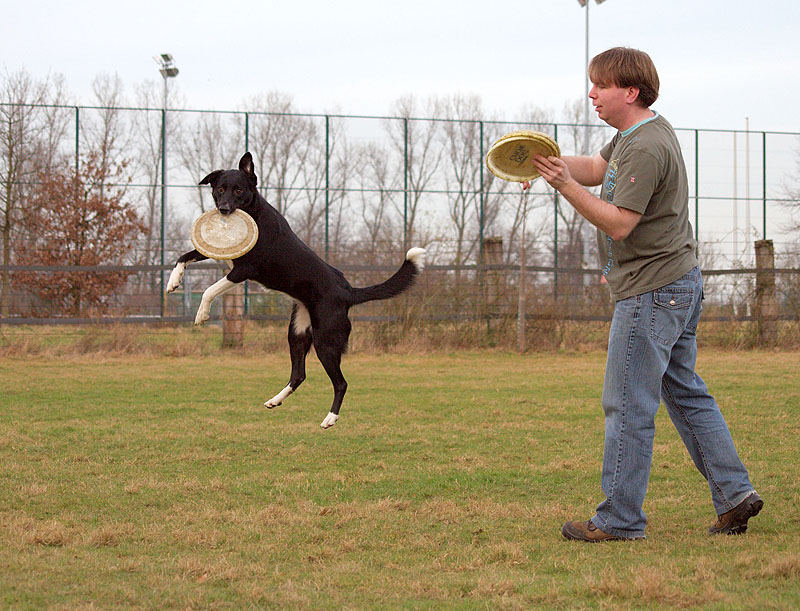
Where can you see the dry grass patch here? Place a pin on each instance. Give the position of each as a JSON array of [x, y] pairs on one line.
[[141, 481], [786, 566], [49, 533]]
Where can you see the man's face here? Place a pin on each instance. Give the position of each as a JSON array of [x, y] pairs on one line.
[[612, 102]]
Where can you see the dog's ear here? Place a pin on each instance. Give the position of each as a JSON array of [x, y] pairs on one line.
[[246, 166], [211, 178]]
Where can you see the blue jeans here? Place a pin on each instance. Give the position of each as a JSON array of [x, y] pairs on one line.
[[652, 350]]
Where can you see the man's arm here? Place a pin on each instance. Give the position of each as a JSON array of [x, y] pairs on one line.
[[587, 171], [616, 222]]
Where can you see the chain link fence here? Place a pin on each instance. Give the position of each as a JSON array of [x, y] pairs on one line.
[[361, 191]]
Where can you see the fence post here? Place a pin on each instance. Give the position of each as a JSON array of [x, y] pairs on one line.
[[696, 192], [764, 182], [482, 200], [523, 263], [246, 148], [766, 307], [405, 184], [493, 280], [77, 138], [555, 230], [327, 185], [233, 317]]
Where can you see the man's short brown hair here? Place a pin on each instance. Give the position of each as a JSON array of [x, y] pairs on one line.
[[624, 67]]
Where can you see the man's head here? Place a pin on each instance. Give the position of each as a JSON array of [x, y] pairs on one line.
[[624, 67]]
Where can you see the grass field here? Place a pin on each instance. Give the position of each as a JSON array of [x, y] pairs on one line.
[[147, 481]]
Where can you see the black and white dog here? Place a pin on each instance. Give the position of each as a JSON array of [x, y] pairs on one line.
[[281, 261]]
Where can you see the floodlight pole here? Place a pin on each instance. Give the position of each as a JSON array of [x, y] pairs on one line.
[[168, 70], [585, 4], [585, 79]]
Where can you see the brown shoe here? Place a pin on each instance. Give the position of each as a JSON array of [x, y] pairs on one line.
[[734, 522], [587, 531]]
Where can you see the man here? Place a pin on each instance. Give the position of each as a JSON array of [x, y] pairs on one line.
[[648, 258]]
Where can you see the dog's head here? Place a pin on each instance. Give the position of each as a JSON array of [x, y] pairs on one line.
[[234, 189]]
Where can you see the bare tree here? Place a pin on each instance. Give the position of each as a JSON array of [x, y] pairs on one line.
[[104, 131], [210, 145], [342, 168], [414, 142], [56, 124], [280, 141], [26, 147], [324, 198], [292, 152], [791, 192], [148, 144], [460, 138], [378, 190], [576, 238]]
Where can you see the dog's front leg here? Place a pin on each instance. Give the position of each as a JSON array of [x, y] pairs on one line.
[[176, 276], [223, 285]]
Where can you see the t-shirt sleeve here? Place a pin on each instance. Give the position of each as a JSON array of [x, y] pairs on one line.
[[636, 181], [607, 150]]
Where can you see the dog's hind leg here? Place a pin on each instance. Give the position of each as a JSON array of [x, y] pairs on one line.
[[299, 344], [330, 345]]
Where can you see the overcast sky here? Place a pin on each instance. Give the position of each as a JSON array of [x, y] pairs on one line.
[[719, 60]]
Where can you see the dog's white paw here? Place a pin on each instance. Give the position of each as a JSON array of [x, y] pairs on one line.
[[203, 313], [175, 277], [329, 421], [279, 398]]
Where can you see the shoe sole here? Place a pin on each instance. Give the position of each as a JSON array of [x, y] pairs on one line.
[[572, 536], [740, 519]]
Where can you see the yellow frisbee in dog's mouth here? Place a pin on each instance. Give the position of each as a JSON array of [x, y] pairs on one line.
[[220, 236], [510, 157]]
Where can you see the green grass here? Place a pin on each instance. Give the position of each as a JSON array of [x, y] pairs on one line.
[[156, 482]]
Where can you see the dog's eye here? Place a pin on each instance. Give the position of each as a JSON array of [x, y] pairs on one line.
[[238, 191], [220, 189]]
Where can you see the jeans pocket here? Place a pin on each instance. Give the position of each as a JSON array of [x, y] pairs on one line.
[[671, 308]]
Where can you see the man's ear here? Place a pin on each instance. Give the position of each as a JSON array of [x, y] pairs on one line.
[[246, 166], [632, 95], [211, 178]]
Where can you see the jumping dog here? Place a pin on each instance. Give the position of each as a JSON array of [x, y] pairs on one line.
[[283, 262]]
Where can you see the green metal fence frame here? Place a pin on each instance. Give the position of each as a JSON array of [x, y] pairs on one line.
[[327, 117]]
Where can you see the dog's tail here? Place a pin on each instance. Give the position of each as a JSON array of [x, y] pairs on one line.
[[399, 282]]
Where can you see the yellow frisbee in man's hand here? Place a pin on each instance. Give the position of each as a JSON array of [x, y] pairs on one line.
[[510, 157]]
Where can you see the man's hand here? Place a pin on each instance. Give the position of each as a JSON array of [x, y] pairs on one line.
[[553, 169], [614, 221], [586, 171]]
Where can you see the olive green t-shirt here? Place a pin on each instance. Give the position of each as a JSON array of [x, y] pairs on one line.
[[646, 173]]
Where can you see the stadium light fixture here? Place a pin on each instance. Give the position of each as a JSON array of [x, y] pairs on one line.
[[167, 63]]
